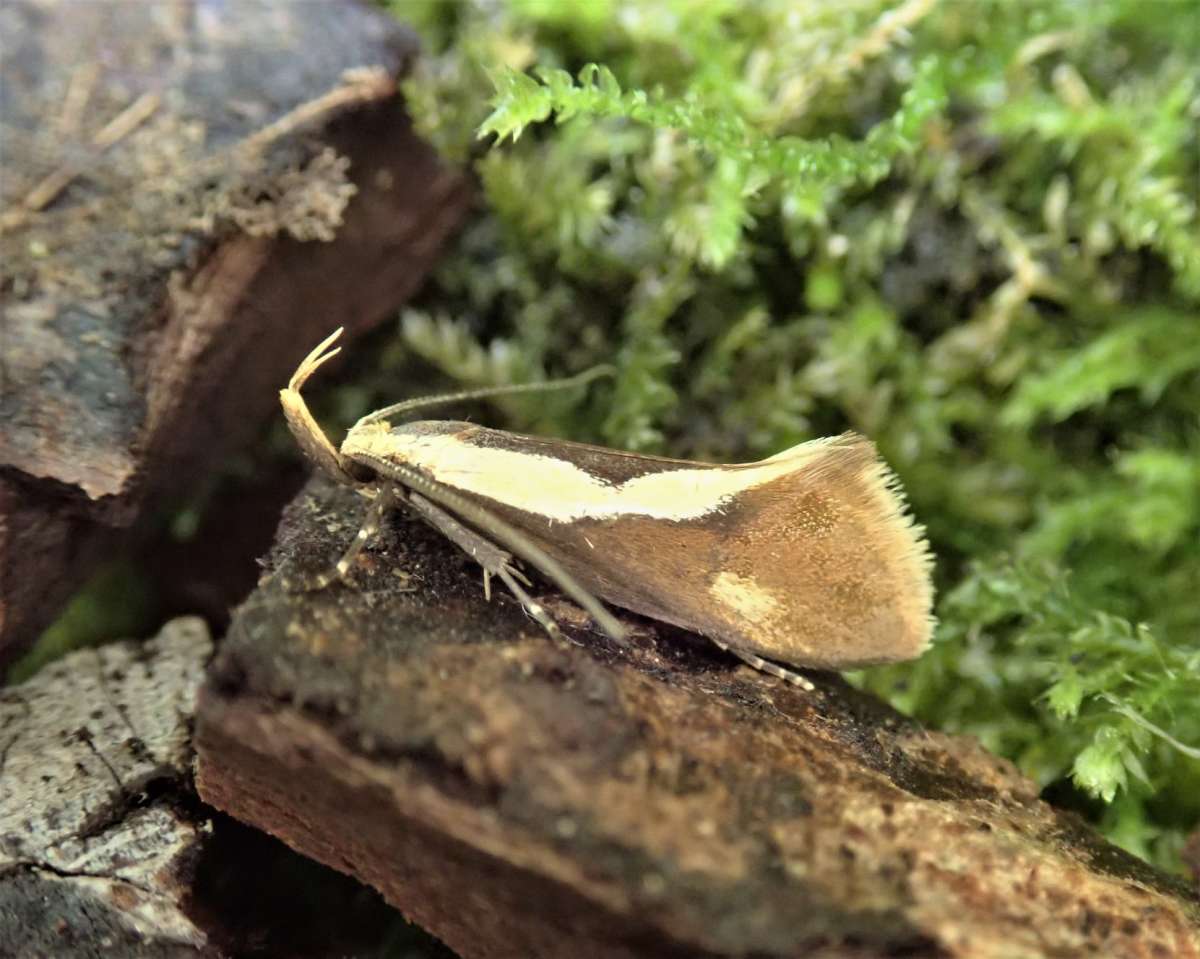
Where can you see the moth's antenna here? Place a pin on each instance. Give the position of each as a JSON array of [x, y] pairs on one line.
[[407, 406]]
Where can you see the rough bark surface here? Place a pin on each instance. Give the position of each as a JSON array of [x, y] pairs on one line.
[[193, 194], [521, 798], [105, 850], [96, 855]]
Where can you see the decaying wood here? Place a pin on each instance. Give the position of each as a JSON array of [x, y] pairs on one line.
[[96, 852], [191, 195], [520, 798], [105, 850]]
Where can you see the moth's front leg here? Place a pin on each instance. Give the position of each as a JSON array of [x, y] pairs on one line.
[[494, 560], [385, 500]]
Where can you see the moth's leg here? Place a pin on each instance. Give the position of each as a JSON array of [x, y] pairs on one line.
[[512, 570], [385, 500], [486, 553], [501, 532], [766, 666], [532, 606], [494, 560]]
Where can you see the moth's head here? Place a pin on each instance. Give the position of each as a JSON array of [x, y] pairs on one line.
[[311, 439]]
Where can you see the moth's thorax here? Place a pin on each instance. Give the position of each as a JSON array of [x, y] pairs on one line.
[[407, 444]]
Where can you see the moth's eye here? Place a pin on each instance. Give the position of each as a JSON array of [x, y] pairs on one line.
[[360, 472]]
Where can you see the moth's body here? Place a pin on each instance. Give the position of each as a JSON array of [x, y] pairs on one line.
[[807, 557], [785, 557]]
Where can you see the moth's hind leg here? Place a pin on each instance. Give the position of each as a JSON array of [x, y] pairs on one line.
[[494, 560], [768, 667], [535, 609], [385, 500]]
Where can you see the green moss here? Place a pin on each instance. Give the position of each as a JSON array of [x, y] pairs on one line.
[[966, 230], [116, 603]]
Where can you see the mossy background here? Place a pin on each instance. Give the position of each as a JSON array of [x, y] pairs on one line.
[[967, 229]]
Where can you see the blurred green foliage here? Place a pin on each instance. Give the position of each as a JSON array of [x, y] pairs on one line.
[[967, 230], [117, 602]]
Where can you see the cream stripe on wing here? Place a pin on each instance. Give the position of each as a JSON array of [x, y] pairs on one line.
[[746, 598], [562, 491]]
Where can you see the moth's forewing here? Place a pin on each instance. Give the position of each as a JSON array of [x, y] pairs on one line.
[[806, 557], [815, 567], [828, 565]]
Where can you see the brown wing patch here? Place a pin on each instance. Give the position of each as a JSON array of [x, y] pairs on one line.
[[833, 545], [612, 466]]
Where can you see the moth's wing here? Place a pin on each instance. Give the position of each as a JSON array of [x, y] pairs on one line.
[[571, 499], [823, 565], [807, 557], [611, 466], [813, 562]]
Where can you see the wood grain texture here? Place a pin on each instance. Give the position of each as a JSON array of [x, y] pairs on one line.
[[105, 850], [96, 854], [524, 799]]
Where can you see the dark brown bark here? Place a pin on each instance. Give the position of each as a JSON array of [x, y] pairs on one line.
[[155, 301], [520, 798]]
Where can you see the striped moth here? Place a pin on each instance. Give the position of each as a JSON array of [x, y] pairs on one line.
[[807, 558]]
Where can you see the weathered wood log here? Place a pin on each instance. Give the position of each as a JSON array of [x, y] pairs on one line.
[[96, 851], [521, 798], [192, 196], [105, 849]]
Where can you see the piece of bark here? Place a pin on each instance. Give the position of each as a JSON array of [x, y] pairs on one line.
[[263, 186], [105, 850], [521, 798], [96, 851]]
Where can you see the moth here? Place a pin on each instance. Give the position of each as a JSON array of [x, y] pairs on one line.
[[808, 558]]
